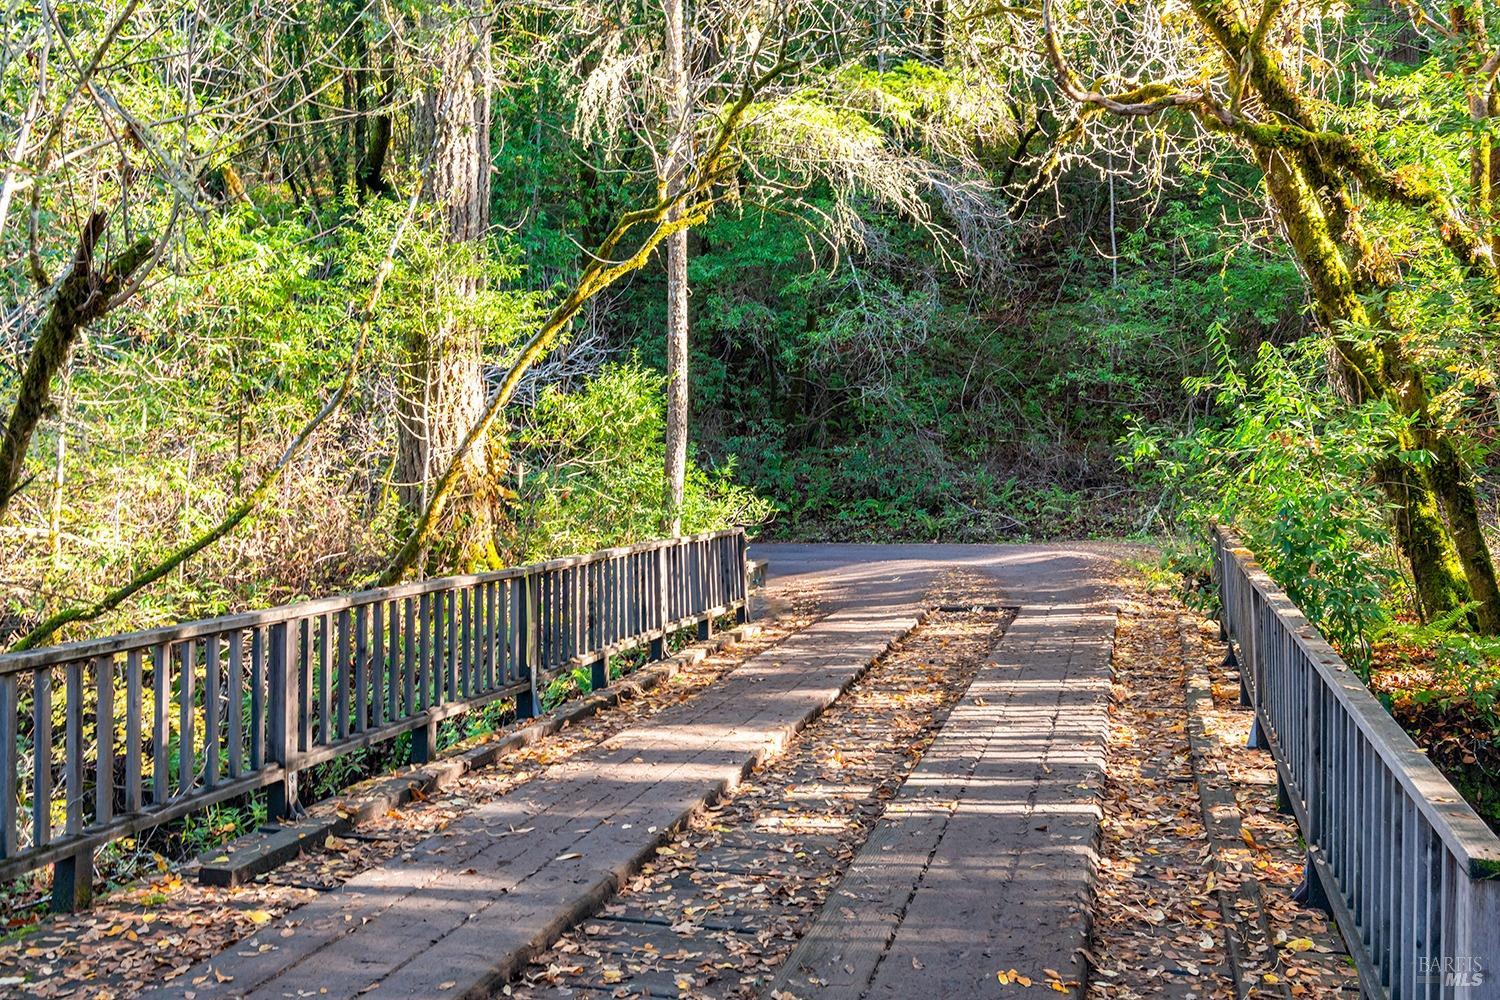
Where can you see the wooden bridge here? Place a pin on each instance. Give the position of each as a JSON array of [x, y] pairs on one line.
[[461, 913], [975, 861]]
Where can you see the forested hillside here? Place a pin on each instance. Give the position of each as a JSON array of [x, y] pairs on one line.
[[303, 297]]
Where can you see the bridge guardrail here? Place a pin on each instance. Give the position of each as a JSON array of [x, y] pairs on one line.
[[1409, 870], [217, 708]]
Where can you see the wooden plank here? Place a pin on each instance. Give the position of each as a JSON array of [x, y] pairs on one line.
[[73, 748], [341, 679], [187, 764], [104, 739], [236, 746], [257, 699], [409, 659], [212, 721], [360, 695], [134, 708], [41, 758], [161, 689], [10, 771], [377, 663]]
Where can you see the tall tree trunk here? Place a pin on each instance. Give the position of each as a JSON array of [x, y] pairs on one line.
[[1435, 511], [443, 384], [677, 286], [1430, 548]]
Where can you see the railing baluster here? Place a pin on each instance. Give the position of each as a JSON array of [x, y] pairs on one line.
[[134, 708], [161, 683], [236, 640], [424, 651], [341, 679], [450, 647], [361, 668], [491, 632], [465, 657], [409, 658], [10, 773], [73, 749], [187, 766], [377, 663], [211, 722], [41, 759], [104, 739], [393, 663], [307, 651], [257, 699]]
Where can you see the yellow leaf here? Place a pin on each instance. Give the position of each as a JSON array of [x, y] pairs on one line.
[[1058, 986], [258, 917], [613, 975], [1300, 944]]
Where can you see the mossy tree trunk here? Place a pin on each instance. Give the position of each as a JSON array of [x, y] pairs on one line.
[[86, 293], [443, 391], [1435, 510]]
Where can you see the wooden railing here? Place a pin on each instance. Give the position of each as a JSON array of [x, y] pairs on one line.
[[1409, 871], [217, 708]]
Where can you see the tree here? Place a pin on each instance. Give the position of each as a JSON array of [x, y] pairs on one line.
[[677, 279], [1245, 81], [443, 388]]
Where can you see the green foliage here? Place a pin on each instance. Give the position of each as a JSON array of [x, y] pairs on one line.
[[1465, 666], [1287, 462], [591, 462]]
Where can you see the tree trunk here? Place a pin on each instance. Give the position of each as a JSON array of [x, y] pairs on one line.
[[443, 380], [1431, 550], [375, 147], [677, 287], [85, 295]]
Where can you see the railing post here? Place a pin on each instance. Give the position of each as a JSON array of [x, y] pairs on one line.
[[527, 640], [73, 882], [659, 642], [1476, 945], [282, 794], [701, 552], [424, 741], [742, 567], [73, 876]]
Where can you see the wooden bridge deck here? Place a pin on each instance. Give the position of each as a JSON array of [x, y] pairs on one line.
[[991, 839]]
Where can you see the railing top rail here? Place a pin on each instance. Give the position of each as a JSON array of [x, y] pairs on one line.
[[35, 659], [1455, 821]]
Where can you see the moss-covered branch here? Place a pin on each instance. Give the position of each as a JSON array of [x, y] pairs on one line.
[[364, 315], [84, 295]]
